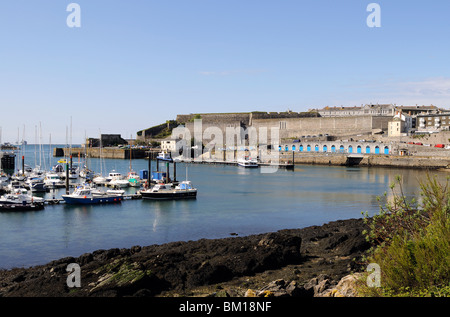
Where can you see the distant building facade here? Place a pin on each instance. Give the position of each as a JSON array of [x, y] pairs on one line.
[[433, 122], [366, 110], [378, 110], [169, 145]]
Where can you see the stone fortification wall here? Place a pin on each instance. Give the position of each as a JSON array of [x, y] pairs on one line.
[[110, 153], [290, 125], [244, 118], [280, 115], [297, 127], [222, 121], [155, 132], [381, 122], [217, 119]]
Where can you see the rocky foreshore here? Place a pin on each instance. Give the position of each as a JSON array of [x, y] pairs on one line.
[[294, 262]]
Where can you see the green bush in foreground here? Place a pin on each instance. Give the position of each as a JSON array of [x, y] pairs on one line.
[[411, 243]]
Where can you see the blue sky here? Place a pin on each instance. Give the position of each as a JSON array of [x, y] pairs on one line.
[[134, 64]]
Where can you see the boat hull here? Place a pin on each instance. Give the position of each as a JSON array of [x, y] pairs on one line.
[[21, 207], [92, 200], [164, 159], [40, 187], [248, 165], [183, 194]]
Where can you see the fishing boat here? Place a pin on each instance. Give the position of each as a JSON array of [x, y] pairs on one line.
[[160, 191], [88, 195], [134, 179], [248, 162], [164, 156], [20, 201]]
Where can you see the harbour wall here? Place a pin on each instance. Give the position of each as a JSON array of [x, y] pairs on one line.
[[338, 159], [298, 158], [109, 153], [340, 126]]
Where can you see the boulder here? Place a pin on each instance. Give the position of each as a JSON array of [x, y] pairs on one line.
[[347, 287]]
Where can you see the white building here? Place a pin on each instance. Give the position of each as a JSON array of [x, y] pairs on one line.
[[401, 124], [168, 145], [365, 110]]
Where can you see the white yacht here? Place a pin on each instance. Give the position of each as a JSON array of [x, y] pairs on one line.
[[247, 162], [100, 180], [20, 201], [15, 186], [36, 184], [117, 180], [53, 180], [164, 156]]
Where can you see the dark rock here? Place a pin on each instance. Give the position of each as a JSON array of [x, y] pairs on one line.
[[181, 266], [85, 259]]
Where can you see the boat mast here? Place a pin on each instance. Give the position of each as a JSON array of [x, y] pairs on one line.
[[40, 145], [35, 150], [50, 151]]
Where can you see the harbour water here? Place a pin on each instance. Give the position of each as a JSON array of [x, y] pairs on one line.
[[231, 200]]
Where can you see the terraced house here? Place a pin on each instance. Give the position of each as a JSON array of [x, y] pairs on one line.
[[433, 122]]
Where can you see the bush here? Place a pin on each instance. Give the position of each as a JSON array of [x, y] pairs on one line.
[[411, 243]]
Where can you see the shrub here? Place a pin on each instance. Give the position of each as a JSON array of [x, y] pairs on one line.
[[411, 243]]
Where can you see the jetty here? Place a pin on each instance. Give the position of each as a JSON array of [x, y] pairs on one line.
[[286, 165], [106, 152]]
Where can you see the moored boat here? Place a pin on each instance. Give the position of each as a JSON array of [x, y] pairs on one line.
[[36, 184], [53, 180], [88, 195], [134, 179], [117, 180], [4, 180], [164, 156], [20, 201], [248, 162], [86, 174], [183, 190]]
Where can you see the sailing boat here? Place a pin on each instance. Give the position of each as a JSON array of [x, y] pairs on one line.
[[100, 179], [85, 172], [133, 178]]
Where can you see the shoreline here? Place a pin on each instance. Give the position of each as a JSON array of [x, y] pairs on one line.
[[409, 162], [205, 267], [299, 158]]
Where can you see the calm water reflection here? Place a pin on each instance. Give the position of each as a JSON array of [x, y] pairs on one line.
[[230, 200]]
